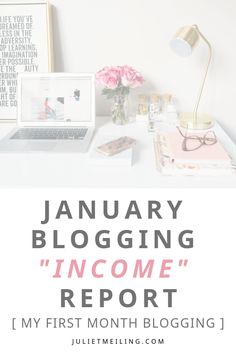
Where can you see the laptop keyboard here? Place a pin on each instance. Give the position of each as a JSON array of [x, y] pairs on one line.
[[50, 134]]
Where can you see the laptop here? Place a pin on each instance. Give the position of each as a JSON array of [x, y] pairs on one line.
[[56, 112]]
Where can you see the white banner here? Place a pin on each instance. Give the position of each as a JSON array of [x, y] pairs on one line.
[[117, 270]]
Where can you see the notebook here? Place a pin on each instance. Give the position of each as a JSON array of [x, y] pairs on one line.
[[172, 160], [206, 154]]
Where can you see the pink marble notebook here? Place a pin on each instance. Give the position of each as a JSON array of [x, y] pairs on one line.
[[206, 153]]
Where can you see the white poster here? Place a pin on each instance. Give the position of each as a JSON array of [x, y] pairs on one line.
[[24, 47]]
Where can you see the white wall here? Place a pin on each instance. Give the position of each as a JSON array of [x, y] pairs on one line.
[[90, 34]]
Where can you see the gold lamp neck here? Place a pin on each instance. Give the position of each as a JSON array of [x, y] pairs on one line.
[[195, 112]]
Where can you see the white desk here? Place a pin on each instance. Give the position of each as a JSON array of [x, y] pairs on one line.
[[76, 170]]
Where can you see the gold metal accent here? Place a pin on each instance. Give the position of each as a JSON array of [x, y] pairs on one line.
[[188, 120], [167, 97], [154, 98], [188, 34], [203, 117], [191, 34], [50, 37]]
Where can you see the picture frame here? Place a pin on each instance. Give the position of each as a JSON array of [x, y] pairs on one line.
[[56, 99], [25, 46]]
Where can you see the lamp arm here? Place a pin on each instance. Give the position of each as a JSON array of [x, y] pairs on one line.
[[205, 75]]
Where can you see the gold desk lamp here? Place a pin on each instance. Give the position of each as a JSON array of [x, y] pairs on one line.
[[182, 44]]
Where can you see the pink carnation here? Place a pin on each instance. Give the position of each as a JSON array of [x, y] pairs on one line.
[[130, 77]]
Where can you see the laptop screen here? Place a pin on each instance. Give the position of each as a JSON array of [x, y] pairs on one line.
[[56, 99]]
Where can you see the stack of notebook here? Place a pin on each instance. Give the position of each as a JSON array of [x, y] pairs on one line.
[[171, 159]]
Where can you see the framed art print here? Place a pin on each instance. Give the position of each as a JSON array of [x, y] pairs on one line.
[[25, 46]]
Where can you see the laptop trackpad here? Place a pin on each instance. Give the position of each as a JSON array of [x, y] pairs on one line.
[[41, 146]]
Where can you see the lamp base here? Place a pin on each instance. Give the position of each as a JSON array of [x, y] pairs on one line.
[[203, 121]]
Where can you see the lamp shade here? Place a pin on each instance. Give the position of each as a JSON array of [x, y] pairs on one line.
[[184, 41]]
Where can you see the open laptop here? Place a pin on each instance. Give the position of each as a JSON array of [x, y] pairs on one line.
[[56, 112]]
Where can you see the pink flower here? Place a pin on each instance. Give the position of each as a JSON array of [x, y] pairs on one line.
[[109, 77], [130, 77], [118, 79]]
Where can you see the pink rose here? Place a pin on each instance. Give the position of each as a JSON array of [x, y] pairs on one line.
[[109, 77], [118, 77], [130, 77]]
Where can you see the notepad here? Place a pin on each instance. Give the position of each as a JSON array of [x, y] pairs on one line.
[[172, 160], [172, 146]]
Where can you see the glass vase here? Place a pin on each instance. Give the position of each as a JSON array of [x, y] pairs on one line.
[[119, 109]]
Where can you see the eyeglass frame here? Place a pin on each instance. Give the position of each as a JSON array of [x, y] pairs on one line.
[[202, 140]]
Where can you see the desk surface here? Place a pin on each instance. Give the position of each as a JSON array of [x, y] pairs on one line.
[[55, 170]]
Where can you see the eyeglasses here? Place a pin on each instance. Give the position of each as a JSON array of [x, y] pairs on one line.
[[194, 142]]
